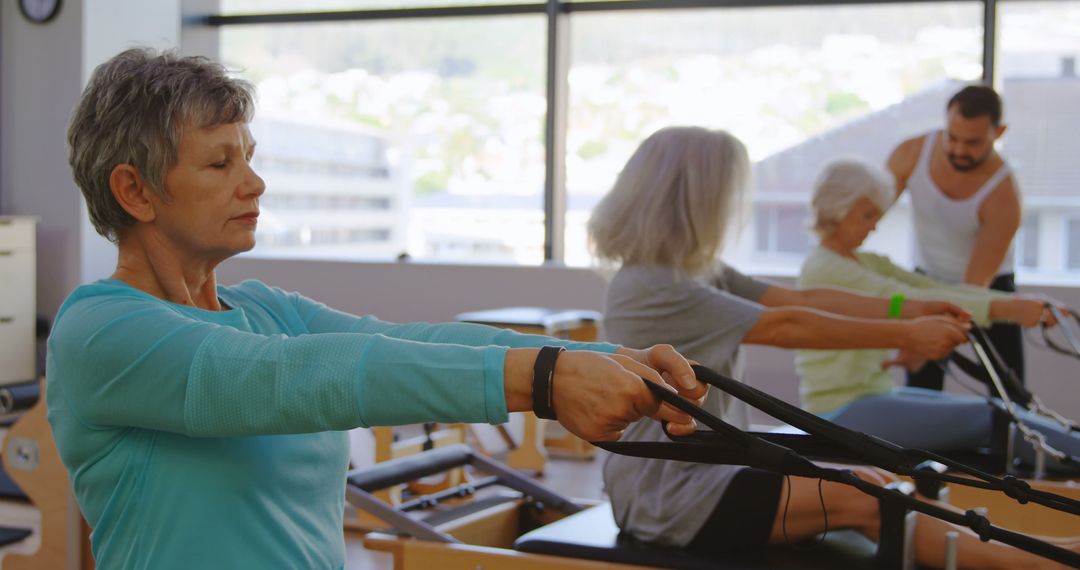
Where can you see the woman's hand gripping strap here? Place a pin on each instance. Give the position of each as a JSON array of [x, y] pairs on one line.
[[737, 447]]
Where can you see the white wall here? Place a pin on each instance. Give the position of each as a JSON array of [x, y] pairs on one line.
[[420, 292], [43, 69], [144, 24], [40, 80]]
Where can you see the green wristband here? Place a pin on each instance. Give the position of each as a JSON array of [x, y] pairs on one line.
[[896, 306]]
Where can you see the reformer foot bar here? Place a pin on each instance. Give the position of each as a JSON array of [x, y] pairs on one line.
[[727, 444]]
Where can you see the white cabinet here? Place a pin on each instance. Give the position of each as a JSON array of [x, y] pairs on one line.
[[18, 352]]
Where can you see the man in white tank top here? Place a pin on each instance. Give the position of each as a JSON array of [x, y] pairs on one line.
[[966, 209]]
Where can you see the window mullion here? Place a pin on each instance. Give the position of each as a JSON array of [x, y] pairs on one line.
[[558, 60], [990, 44]]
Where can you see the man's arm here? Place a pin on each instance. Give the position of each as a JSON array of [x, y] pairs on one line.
[[999, 218], [902, 162]]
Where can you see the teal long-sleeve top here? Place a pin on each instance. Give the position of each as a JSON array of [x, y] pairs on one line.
[[829, 379], [214, 439]]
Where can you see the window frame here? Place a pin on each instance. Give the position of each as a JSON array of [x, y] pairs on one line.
[[557, 13], [1066, 234], [1023, 234]]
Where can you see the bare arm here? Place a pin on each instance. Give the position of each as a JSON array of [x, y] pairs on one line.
[[792, 327], [1022, 310], [902, 162], [999, 218], [852, 304]]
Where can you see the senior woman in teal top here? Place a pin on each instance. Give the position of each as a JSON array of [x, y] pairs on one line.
[[202, 425]]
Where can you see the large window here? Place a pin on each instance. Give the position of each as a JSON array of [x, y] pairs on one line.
[[1072, 247], [798, 85], [285, 6], [1027, 242], [382, 133], [417, 137], [780, 229], [1040, 46]]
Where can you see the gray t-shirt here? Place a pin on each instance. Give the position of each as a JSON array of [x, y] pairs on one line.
[[705, 319]]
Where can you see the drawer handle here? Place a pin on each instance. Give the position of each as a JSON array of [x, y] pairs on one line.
[[6, 320], [6, 252]]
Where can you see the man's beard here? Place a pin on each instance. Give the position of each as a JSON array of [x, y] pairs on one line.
[[966, 163]]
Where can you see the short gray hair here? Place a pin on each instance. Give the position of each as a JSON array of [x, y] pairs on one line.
[[674, 200], [841, 184], [133, 111]]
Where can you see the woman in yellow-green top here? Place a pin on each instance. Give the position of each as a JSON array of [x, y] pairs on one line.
[[853, 387]]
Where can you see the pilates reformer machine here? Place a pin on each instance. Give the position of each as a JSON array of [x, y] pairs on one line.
[[40, 526], [1007, 396], [524, 526], [17, 518], [582, 536]]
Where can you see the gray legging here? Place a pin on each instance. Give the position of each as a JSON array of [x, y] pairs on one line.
[[943, 422]]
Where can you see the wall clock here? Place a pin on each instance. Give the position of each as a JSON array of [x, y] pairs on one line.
[[39, 11]]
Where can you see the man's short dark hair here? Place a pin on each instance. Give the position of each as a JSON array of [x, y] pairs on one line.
[[977, 101]]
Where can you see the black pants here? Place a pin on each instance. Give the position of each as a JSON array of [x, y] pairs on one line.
[[743, 518], [1008, 339]]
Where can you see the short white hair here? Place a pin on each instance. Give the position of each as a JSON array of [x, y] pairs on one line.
[[673, 202], [841, 184]]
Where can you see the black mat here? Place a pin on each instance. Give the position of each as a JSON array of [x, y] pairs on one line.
[[593, 535], [9, 491]]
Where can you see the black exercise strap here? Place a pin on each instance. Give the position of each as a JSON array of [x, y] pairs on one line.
[[839, 443], [977, 372], [1013, 386], [727, 444]]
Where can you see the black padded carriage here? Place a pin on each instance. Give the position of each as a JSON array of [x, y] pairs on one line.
[[592, 535]]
